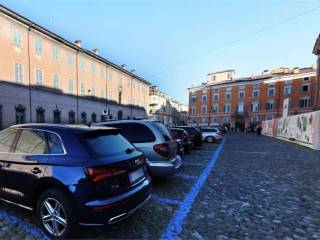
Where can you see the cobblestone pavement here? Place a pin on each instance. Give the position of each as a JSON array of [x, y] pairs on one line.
[[259, 188]]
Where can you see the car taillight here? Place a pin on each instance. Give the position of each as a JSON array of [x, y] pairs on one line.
[[99, 174], [184, 135], [162, 149]]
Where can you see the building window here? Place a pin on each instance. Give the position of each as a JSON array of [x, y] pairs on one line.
[[102, 72], [93, 68], [306, 79], [215, 108], [269, 117], [18, 72], [40, 115], [271, 92], [254, 119], [241, 94], [255, 93], [39, 77], [240, 108], [72, 117], [56, 81], [216, 90], [70, 58], [270, 105], [110, 76], [20, 114], [242, 87], [305, 87], [204, 98], [304, 102], [215, 97], [82, 89], [256, 85], [93, 117], [82, 64], [17, 37], [255, 107], [55, 52], [226, 119], [83, 117], [102, 93], [214, 77], [193, 110], [228, 95], [70, 86], [227, 108], [56, 116], [193, 99], [204, 109], [93, 90], [38, 46], [287, 90]]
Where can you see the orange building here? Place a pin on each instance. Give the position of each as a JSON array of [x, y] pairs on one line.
[[38, 65], [244, 102]]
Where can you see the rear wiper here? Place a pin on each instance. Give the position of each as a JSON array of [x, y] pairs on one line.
[[129, 150]]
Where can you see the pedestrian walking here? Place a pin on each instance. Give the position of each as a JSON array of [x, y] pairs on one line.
[[259, 130]]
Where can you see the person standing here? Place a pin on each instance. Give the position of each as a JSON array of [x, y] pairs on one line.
[[259, 130]]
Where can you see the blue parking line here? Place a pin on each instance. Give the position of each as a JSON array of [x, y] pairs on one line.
[[174, 228], [184, 176], [25, 226], [195, 164], [166, 200]]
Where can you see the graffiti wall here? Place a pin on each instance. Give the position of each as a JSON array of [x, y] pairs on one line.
[[302, 129], [268, 128]]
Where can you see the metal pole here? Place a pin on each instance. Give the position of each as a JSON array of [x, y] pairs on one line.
[[29, 66]]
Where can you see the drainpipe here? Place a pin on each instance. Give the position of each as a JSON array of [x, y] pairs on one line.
[[29, 68], [131, 99], [107, 118]]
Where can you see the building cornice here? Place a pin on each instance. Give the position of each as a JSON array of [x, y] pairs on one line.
[[32, 25]]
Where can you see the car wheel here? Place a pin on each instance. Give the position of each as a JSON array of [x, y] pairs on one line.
[[210, 139], [57, 214]]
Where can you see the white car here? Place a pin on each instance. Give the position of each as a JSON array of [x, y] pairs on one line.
[[211, 134]]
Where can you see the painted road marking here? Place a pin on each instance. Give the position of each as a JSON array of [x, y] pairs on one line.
[[25, 226], [184, 176], [166, 200], [174, 228]]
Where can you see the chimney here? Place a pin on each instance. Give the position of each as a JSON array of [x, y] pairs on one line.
[[133, 71], [96, 51], [124, 66], [78, 43]]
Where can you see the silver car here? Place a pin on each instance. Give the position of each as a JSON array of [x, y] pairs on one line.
[[211, 134], [154, 140]]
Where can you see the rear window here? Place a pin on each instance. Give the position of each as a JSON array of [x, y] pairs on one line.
[[163, 131], [135, 132], [105, 143], [209, 130]]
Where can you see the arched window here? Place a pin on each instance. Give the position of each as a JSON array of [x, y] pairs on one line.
[[83, 117], [20, 114], [120, 115], [56, 116], [40, 115], [72, 118], [93, 117]]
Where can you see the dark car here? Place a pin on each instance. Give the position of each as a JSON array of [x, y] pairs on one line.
[[182, 137], [71, 175], [194, 133]]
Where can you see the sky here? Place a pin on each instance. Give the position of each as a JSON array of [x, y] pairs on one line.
[[174, 43]]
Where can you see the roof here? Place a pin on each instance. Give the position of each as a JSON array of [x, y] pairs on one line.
[[51, 126], [316, 48], [33, 25], [229, 70]]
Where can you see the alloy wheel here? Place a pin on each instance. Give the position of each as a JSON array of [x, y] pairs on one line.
[[53, 217]]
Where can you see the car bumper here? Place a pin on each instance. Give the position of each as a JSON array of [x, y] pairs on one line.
[[164, 168], [116, 208]]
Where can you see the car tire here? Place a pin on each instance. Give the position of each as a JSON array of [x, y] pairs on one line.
[[210, 139], [57, 214]]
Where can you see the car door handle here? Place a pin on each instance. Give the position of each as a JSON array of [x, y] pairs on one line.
[[36, 170]]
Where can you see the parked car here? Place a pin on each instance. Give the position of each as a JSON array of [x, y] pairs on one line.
[[211, 135], [183, 139], [194, 133], [154, 140], [72, 175]]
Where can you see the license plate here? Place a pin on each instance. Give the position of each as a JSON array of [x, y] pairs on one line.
[[136, 175]]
